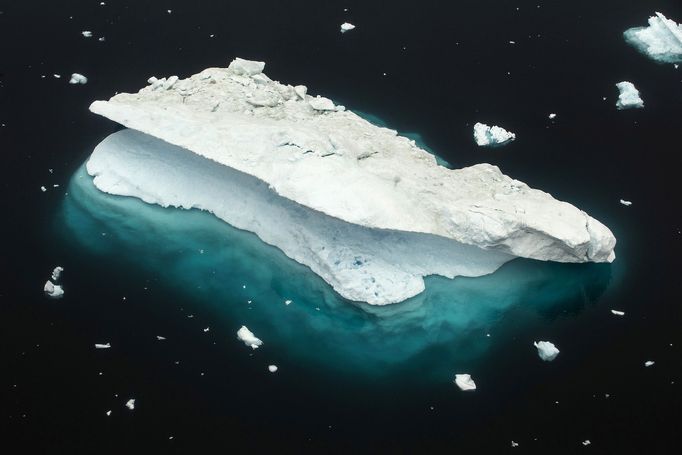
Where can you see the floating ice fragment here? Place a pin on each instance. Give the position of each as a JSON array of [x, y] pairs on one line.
[[248, 337], [546, 350], [586, 442], [552, 116], [661, 40], [52, 290], [287, 302], [272, 368], [78, 79], [485, 135], [43, 189], [207, 329], [618, 313], [465, 382], [160, 338], [628, 98], [130, 404], [514, 444], [86, 33], [346, 27], [320, 103], [56, 273], [102, 345], [101, 39], [626, 203], [649, 363]]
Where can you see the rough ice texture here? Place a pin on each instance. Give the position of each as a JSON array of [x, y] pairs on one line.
[[248, 337], [485, 135], [465, 382], [364, 208], [661, 40], [628, 97], [546, 350]]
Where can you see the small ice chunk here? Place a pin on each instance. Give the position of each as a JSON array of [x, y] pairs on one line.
[[102, 345], [628, 98], [546, 350], [246, 67], [108, 413], [514, 444], [552, 116], [465, 382], [301, 91], [618, 313], [54, 291], [661, 40], [170, 82], [77, 78], [346, 27], [320, 103], [649, 363], [43, 189], [56, 273], [287, 302], [626, 203], [130, 404], [101, 39], [248, 337], [485, 135], [152, 80], [86, 33], [160, 338], [586, 442], [57, 76], [272, 368]]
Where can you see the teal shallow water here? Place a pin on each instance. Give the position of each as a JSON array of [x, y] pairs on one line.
[[446, 329]]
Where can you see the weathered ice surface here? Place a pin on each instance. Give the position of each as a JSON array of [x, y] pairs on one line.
[[322, 166], [661, 40]]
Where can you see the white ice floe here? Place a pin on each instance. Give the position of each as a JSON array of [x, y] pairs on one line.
[[628, 98], [57, 272], [552, 116], [43, 189], [108, 413], [287, 302], [86, 33], [485, 135], [130, 404], [366, 209], [272, 368], [546, 350], [661, 40], [618, 313], [78, 79], [248, 337], [514, 444], [52, 290], [587, 442], [465, 382], [625, 203], [160, 338], [649, 363], [207, 329], [102, 345], [346, 27]]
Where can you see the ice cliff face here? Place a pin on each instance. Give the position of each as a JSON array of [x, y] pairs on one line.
[[366, 209], [661, 40]]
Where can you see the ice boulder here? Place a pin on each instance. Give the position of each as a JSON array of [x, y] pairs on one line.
[[485, 135], [464, 382], [54, 291], [364, 208], [546, 350], [248, 337], [661, 40], [628, 97]]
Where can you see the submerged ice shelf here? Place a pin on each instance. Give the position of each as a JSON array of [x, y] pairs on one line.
[[367, 210]]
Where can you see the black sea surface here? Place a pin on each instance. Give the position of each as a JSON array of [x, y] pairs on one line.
[[351, 378]]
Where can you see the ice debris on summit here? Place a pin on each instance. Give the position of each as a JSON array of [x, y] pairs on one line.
[[248, 337], [546, 350], [465, 382], [629, 96], [660, 41], [485, 135], [364, 208]]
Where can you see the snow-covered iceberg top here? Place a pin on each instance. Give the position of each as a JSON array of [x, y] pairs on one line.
[[485, 135], [661, 40], [628, 98]]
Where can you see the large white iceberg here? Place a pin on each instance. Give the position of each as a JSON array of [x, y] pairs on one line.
[[367, 210], [628, 97], [661, 40], [485, 135]]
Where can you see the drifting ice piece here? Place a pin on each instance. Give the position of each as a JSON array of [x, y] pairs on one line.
[[628, 96], [661, 40], [78, 79], [86, 33], [618, 313], [465, 382], [546, 350], [625, 203], [364, 208], [57, 272], [346, 27], [52, 290], [649, 363], [130, 404], [248, 337], [272, 368], [485, 135], [102, 346]]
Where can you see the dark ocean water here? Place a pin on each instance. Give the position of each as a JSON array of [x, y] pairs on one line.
[[351, 378]]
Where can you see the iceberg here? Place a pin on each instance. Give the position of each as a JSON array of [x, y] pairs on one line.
[[485, 135], [102, 345], [364, 208], [660, 41], [625, 203], [248, 337], [57, 272], [546, 350], [464, 382], [649, 363], [629, 96]]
